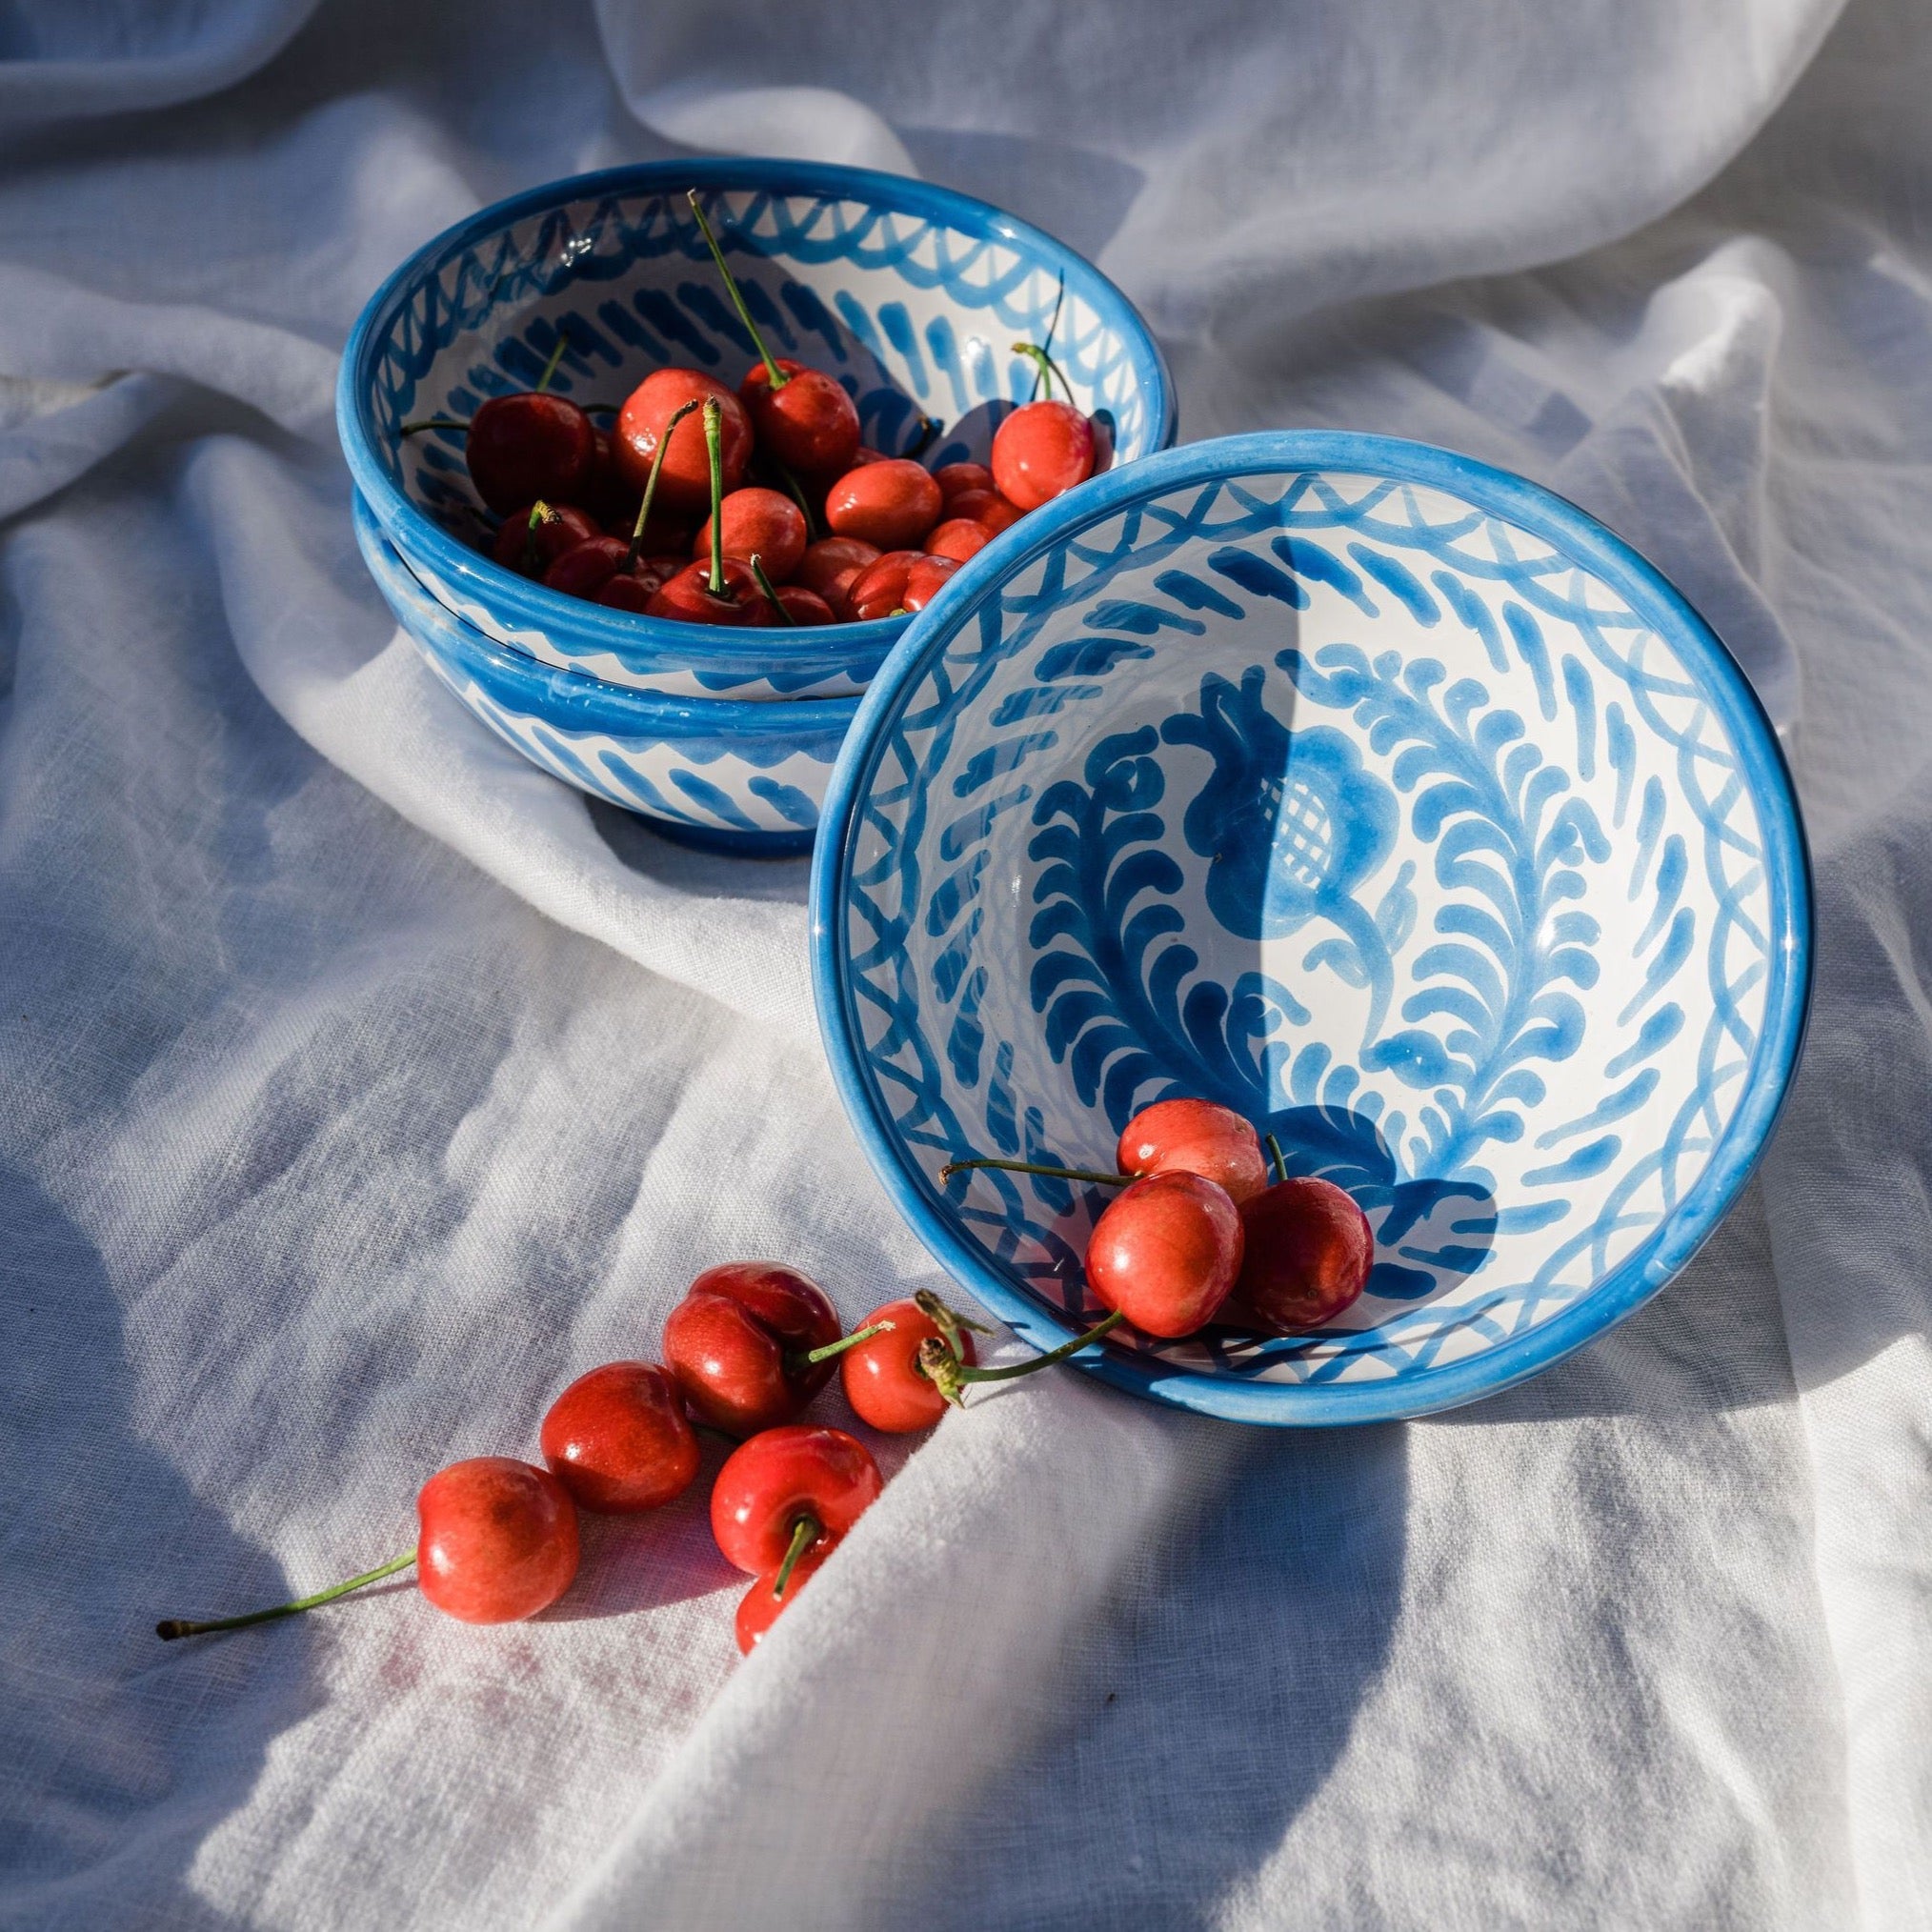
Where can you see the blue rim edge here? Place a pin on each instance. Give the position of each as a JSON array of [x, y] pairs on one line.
[[411, 528], [1787, 862]]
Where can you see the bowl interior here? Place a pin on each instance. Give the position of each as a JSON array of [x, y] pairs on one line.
[[910, 296], [1378, 794]]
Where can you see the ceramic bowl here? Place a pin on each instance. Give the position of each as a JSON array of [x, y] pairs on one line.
[[729, 776], [911, 295], [1375, 793]]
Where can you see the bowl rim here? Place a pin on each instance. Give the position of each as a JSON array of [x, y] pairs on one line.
[[413, 531], [1787, 863], [640, 712]]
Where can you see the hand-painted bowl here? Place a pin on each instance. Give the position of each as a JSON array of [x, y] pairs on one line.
[[729, 776], [1373, 792], [910, 296]]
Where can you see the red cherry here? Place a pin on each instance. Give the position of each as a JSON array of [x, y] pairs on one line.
[[987, 507], [805, 607], [958, 539], [632, 590], [879, 590], [498, 1539], [954, 478], [688, 598], [1040, 452], [1195, 1137], [522, 446], [924, 579], [809, 423], [737, 1340], [618, 1438], [759, 523], [1309, 1249], [783, 1478], [585, 571], [830, 558], [684, 482], [892, 503], [1166, 1253], [762, 1605], [560, 528], [883, 1381]]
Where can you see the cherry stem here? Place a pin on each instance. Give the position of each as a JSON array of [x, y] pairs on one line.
[[676, 416], [1274, 1152], [770, 595], [950, 1375], [795, 492], [431, 423], [172, 1627], [540, 513], [563, 342], [777, 375], [949, 1321], [1099, 1179], [845, 1342], [805, 1532], [1048, 368], [929, 428], [1052, 322], [714, 418]]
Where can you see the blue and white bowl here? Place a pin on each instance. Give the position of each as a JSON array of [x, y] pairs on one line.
[[729, 776], [911, 295], [1375, 793]]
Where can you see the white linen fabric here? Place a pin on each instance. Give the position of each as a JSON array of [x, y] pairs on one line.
[[362, 1085]]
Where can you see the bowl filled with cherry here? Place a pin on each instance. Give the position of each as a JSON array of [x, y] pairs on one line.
[[715, 430]]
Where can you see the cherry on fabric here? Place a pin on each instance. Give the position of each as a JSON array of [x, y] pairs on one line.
[[766, 1601], [802, 416], [789, 1490], [883, 1379], [618, 1439]]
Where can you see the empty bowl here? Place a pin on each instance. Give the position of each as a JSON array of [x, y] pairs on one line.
[[1375, 793]]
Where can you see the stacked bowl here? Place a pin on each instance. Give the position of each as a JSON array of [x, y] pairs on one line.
[[910, 296]]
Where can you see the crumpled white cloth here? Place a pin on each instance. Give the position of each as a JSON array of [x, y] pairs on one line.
[[361, 1085]]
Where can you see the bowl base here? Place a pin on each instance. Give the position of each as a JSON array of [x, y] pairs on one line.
[[739, 844]]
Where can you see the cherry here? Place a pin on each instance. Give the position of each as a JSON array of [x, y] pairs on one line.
[[646, 420], [762, 523], [740, 1341], [530, 540], [883, 1380], [585, 571], [958, 539], [954, 478], [796, 604], [717, 594], [765, 1600], [879, 590], [618, 1439], [802, 416], [1309, 1249], [790, 1490], [924, 579], [827, 559], [985, 506], [1195, 1137], [1044, 448], [498, 1542], [1166, 1253], [631, 590], [892, 503]]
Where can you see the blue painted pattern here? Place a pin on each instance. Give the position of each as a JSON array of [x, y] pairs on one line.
[[1383, 805]]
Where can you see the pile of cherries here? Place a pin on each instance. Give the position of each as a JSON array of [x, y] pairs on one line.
[[1198, 1235], [805, 525]]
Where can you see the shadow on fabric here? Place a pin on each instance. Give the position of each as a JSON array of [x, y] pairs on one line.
[[93, 1707]]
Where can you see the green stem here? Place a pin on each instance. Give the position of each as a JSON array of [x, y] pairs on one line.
[[846, 1341], [676, 416], [1052, 322], [805, 1532], [1048, 368], [714, 418], [1099, 1179], [431, 423], [774, 374], [1275, 1153], [172, 1627], [929, 428], [770, 595], [563, 342], [540, 513], [949, 1321], [950, 1375]]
